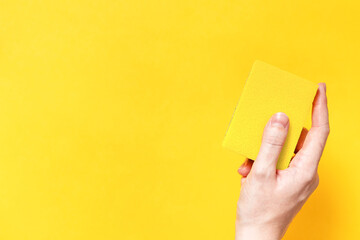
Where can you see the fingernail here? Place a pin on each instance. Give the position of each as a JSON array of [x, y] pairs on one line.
[[279, 119]]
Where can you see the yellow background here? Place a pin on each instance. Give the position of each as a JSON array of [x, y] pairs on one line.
[[113, 114]]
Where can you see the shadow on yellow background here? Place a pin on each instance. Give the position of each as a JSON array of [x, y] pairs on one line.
[[113, 114]]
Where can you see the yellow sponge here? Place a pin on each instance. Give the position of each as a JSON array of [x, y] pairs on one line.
[[269, 90]]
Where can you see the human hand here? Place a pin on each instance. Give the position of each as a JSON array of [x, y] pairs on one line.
[[270, 198]]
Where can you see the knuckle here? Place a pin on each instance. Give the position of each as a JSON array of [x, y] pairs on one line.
[[326, 129], [317, 182], [259, 174], [307, 178], [274, 138]]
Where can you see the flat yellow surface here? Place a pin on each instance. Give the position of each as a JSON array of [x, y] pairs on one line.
[[269, 90], [113, 114]]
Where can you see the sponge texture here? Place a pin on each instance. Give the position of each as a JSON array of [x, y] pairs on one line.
[[268, 90]]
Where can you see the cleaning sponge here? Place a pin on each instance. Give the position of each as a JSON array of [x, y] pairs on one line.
[[268, 90]]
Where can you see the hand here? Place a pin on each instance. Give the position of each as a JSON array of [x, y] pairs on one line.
[[270, 198]]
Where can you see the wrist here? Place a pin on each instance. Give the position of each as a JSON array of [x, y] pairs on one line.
[[257, 231]]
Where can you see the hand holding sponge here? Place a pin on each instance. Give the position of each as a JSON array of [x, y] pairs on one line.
[[269, 90]]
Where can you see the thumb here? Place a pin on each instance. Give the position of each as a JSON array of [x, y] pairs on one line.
[[273, 139]]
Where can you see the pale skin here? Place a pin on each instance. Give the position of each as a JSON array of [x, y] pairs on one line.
[[270, 198]]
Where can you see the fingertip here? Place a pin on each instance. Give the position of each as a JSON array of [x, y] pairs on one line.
[[322, 85], [243, 171], [245, 168], [279, 119], [320, 97], [322, 89]]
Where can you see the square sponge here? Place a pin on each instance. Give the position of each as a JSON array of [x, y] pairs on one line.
[[269, 90]]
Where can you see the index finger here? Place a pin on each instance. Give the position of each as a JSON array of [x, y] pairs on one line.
[[314, 144]]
